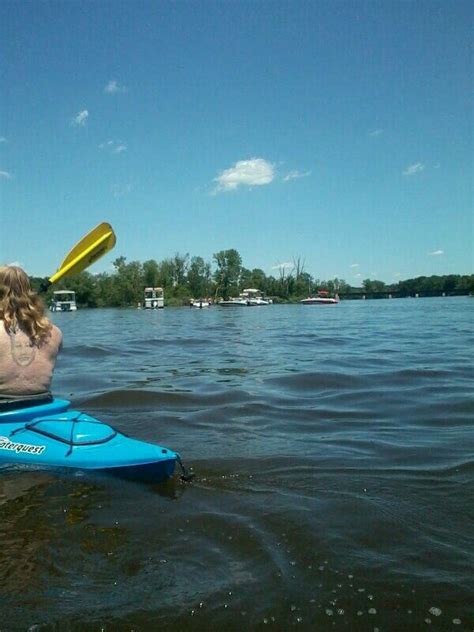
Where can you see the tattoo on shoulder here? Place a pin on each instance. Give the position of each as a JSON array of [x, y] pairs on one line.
[[23, 351]]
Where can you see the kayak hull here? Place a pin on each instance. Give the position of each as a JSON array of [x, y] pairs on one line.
[[153, 472], [52, 436]]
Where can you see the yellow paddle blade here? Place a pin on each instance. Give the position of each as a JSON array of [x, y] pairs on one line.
[[91, 248], [97, 234]]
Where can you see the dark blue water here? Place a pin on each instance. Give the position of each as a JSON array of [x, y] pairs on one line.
[[333, 451]]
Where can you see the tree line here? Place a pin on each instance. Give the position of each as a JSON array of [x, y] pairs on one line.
[[183, 277]]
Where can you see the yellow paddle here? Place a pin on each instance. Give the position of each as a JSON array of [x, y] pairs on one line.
[[91, 248]]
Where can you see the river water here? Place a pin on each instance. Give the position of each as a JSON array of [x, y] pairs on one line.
[[333, 455]]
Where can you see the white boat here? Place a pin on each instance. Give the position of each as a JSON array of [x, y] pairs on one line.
[[233, 302], [322, 298], [200, 302], [250, 297], [154, 298], [255, 297], [63, 301]]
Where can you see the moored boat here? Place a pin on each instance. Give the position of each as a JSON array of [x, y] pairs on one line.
[[255, 297], [53, 436], [233, 302], [63, 301], [154, 298], [250, 297], [199, 303], [322, 298]]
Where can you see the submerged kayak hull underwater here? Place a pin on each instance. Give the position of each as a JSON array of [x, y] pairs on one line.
[[52, 436]]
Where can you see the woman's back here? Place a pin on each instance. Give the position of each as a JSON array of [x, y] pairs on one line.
[[29, 342], [25, 368]]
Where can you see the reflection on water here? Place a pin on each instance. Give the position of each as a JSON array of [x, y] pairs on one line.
[[334, 474]]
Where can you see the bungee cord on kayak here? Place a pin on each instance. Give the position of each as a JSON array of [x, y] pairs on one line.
[[71, 442]]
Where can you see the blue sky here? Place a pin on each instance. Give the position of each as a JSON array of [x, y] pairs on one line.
[[339, 133]]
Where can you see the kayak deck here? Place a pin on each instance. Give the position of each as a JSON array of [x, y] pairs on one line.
[[50, 435]]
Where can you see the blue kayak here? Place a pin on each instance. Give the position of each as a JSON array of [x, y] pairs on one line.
[[50, 435]]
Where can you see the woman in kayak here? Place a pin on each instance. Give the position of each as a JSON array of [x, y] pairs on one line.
[[29, 343]]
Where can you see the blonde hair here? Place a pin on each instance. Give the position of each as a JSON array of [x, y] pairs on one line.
[[21, 307]]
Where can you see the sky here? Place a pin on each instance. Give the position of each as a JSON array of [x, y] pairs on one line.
[[339, 134]]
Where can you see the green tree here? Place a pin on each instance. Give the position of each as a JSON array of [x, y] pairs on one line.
[[228, 272], [199, 277], [450, 282], [303, 285], [465, 283], [245, 278], [373, 286], [151, 273], [341, 286], [257, 279], [172, 275], [38, 283], [105, 290], [128, 283], [85, 287], [166, 274], [180, 267]]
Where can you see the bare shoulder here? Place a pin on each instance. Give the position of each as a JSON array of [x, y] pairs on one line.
[[56, 335]]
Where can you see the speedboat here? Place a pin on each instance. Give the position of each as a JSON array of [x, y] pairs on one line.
[[234, 302], [251, 297], [322, 298], [200, 302]]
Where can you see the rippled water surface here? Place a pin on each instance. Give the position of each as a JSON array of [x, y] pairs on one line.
[[333, 452]]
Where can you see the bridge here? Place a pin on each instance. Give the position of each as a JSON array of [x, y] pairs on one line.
[[362, 295]]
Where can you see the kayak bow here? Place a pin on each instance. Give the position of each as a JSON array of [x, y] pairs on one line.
[[50, 435]]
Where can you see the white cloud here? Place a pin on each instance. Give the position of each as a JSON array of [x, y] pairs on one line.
[[113, 87], [286, 265], [81, 118], [292, 175], [17, 264], [5, 175], [376, 132], [436, 253], [354, 265], [3, 139], [357, 275], [412, 169], [253, 172], [397, 274], [115, 146]]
